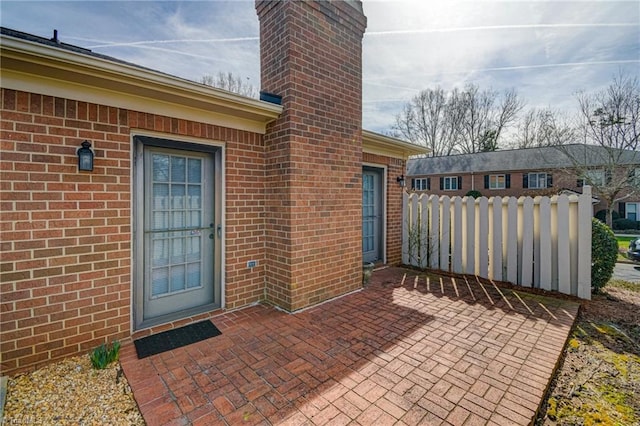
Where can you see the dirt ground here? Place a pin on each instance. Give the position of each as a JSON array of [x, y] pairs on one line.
[[598, 382]]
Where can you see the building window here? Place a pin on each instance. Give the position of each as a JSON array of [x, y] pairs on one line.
[[593, 177], [497, 182], [451, 183], [536, 181], [634, 176], [632, 211], [421, 184]]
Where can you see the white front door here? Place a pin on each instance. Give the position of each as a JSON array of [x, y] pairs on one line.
[[178, 235]]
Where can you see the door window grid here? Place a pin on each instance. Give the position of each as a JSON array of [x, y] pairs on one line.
[[176, 222], [368, 213]]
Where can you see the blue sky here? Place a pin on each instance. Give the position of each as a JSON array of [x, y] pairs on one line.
[[547, 50]]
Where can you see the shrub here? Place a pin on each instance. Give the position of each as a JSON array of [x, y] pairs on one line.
[[102, 356], [601, 215], [604, 252], [625, 224], [473, 193]]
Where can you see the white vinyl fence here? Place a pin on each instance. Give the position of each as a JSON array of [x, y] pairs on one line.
[[541, 242]]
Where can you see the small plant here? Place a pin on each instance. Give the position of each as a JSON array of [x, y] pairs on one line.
[[473, 193], [604, 253], [102, 356]]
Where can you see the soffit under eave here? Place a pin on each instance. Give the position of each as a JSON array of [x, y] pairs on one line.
[[391, 149], [108, 78]]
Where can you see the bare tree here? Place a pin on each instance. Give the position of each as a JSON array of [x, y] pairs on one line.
[[543, 127], [611, 117], [609, 125], [428, 119], [230, 82], [485, 116], [468, 120]]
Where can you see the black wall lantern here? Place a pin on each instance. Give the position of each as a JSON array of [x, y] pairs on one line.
[[85, 157], [400, 180]]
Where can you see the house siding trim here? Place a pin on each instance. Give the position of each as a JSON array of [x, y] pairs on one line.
[[375, 143], [31, 67]]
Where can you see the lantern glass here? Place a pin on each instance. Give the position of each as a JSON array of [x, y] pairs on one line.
[[85, 157]]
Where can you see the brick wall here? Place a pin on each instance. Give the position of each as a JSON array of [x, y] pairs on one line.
[[562, 179], [311, 55], [65, 264]]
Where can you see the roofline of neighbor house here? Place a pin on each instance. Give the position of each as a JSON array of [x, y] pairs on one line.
[[535, 158], [375, 143], [75, 73]]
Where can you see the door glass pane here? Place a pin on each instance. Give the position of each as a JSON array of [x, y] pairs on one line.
[[177, 278], [178, 169], [160, 196], [193, 246], [159, 281], [195, 170], [193, 275], [194, 204], [177, 250], [367, 213], [195, 194], [160, 168], [176, 221], [177, 196], [160, 256]]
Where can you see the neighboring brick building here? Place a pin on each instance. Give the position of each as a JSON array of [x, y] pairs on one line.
[[517, 172], [200, 200]]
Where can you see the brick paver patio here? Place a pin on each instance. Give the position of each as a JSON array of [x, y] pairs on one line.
[[402, 351]]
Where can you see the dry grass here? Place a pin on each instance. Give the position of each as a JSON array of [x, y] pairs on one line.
[[599, 380]]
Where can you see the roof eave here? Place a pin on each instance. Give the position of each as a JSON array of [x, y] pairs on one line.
[[375, 143], [31, 58]]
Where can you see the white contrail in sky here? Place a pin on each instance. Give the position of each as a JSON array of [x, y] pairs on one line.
[[500, 27], [563, 64], [146, 43], [103, 43]]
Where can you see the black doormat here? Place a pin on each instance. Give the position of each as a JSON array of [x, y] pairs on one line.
[[176, 338]]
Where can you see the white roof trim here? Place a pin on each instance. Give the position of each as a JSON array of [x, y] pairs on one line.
[[71, 73], [375, 143]]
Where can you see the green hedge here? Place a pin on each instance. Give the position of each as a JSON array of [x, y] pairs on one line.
[[604, 253], [625, 224], [473, 193]]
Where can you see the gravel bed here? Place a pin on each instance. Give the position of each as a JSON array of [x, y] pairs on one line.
[[71, 392]]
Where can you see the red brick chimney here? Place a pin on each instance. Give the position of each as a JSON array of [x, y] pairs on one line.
[[311, 55]]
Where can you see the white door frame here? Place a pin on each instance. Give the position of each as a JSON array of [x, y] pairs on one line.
[[383, 184], [217, 149]]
